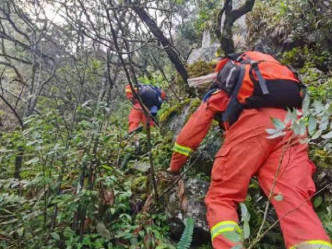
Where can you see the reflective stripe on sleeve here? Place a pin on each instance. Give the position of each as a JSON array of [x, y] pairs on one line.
[[224, 226], [319, 244], [182, 149]]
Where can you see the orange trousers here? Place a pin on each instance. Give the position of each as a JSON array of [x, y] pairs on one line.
[[247, 152], [136, 116]]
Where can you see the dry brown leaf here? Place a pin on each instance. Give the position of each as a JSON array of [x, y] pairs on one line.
[[87, 223], [148, 203], [184, 203], [182, 196], [181, 189], [109, 197], [149, 241]]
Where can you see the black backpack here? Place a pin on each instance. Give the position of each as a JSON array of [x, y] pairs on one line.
[[253, 80], [150, 95]]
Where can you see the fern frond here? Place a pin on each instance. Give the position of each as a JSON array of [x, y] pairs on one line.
[[187, 235]]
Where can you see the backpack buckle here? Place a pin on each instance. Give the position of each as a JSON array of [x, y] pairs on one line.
[[254, 64]]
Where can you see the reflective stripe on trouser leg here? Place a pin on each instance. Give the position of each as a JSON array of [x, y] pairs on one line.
[[182, 149], [313, 244], [223, 227]]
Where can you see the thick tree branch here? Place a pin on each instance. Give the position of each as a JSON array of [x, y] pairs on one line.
[[226, 35], [168, 47]]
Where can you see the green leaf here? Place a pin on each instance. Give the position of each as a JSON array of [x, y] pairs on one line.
[[327, 135], [187, 234], [317, 134], [271, 131], [324, 123], [107, 167], [278, 124], [244, 212], [296, 129], [306, 103], [279, 134], [279, 197], [237, 247], [246, 230], [20, 231], [102, 230], [329, 109], [32, 161], [55, 236], [245, 217], [312, 125], [293, 116], [318, 201], [318, 106], [288, 116], [302, 127], [233, 236]]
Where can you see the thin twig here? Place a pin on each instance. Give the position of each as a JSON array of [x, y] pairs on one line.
[[285, 148]]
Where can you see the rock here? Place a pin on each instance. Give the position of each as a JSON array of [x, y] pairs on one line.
[[181, 205], [206, 40], [175, 118], [141, 166], [206, 54]]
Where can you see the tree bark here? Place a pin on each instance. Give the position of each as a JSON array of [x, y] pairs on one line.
[[226, 34], [172, 54]]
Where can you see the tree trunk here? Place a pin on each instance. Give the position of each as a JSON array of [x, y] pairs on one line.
[[226, 34], [172, 54], [18, 163]]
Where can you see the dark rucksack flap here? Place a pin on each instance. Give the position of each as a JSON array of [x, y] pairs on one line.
[[149, 96], [228, 77]]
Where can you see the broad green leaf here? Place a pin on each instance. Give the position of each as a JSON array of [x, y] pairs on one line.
[[244, 212], [327, 135], [232, 236], [306, 103], [32, 161], [246, 230], [318, 106], [288, 116], [271, 131], [329, 109], [293, 116], [312, 125], [107, 167], [278, 123], [279, 134], [20, 231], [296, 129], [318, 201], [55, 236], [317, 134], [102, 230], [324, 123], [302, 126]]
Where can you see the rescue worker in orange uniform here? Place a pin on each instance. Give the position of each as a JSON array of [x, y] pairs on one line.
[[136, 115], [247, 152]]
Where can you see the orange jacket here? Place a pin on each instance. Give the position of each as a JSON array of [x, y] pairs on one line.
[[196, 128], [129, 92]]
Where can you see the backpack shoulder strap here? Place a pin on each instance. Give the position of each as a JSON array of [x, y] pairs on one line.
[[233, 105], [261, 80]]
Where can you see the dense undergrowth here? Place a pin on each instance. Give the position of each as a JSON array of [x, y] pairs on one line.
[[75, 189]]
